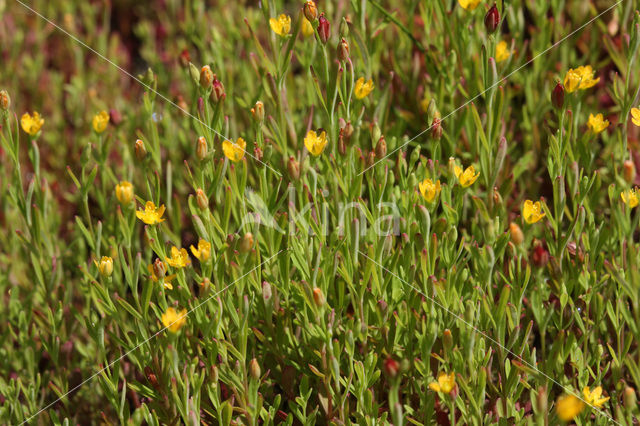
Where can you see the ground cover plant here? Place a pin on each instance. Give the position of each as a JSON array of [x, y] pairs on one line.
[[350, 212]]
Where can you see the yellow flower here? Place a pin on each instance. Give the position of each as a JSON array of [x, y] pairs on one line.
[[580, 78], [282, 25], [315, 143], [203, 252], [174, 320], [151, 215], [105, 266], [467, 177], [31, 123], [568, 407], [100, 121], [362, 89], [469, 4], [594, 397], [429, 189], [124, 192], [532, 212], [307, 28], [502, 51], [631, 197], [155, 279], [635, 116], [234, 151], [597, 123], [446, 383], [179, 258]]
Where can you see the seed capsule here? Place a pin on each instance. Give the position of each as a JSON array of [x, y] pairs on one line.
[[629, 171], [343, 50], [202, 200], [141, 151], [5, 100]]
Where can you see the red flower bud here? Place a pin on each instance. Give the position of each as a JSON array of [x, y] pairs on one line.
[[557, 96], [391, 367], [436, 129], [217, 94], [323, 28], [343, 50], [492, 19]]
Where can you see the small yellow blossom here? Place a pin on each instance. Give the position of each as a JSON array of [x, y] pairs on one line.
[[631, 197], [105, 266], [124, 192], [635, 116], [429, 189], [234, 151], [594, 397], [167, 279], [151, 215], [179, 258], [466, 178], [532, 212], [580, 78], [502, 51], [203, 252], [282, 25], [315, 143], [469, 4], [31, 123], [363, 88], [100, 121], [446, 383], [568, 407], [173, 320], [307, 28], [597, 123]]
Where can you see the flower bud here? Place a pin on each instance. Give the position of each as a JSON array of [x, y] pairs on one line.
[[202, 148], [206, 77], [557, 96], [254, 369], [246, 244], [540, 256], [371, 159], [5, 100], [124, 192], [629, 398], [217, 94], [447, 339], [105, 266], [342, 145], [258, 112], [492, 19], [141, 151], [517, 237], [436, 128], [201, 198], [258, 154], [318, 297], [159, 269], [323, 28], [629, 171], [344, 27], [343, 50], [293, 167], [266, 291], [185, 58], [391, 367], [310, 11], [541, 400], [381, 147]]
